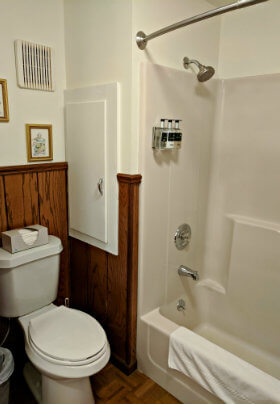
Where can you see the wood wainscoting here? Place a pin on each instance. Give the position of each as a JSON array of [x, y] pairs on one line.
[[102, 284], [37, 194], [105, 285]]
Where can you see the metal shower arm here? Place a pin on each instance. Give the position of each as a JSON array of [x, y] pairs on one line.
[[142, 39]]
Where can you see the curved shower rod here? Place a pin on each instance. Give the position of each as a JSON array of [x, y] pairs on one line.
[[142, 39]]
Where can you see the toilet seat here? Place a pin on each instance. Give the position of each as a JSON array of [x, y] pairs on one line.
[[67, 337]]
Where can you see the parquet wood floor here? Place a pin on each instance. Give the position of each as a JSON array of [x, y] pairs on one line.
[[111, 386]]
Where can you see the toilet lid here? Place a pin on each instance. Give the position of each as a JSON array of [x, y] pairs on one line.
[[67, 334]]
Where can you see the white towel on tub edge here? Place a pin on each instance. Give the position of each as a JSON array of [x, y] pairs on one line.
[[223, 374]]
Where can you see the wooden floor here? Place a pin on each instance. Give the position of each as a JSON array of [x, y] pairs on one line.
[[111, 386]]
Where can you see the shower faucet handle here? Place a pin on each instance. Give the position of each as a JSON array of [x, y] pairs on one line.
[[183, 235]]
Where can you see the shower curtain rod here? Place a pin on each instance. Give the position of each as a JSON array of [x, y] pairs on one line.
[[142, 39]]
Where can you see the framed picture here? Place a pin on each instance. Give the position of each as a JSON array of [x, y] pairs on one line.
[[4, 106], [39, 142]]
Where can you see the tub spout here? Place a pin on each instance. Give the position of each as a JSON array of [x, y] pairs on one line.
[[185, 271]]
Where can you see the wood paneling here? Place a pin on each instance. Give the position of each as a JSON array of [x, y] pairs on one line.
[[117, 281], [132, 275], [3, 214], [22, 199], [79, 274], [103, 285], [37, 193], [27, 168], [54, 215], [89, 279], [122, 276], [106, 285], [97, 283]]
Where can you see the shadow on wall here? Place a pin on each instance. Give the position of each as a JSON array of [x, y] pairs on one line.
[[169, 155]]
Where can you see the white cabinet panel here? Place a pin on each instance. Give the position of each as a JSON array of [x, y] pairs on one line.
[[92, 127], [86, 151]]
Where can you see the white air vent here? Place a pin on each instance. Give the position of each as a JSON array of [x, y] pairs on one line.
[[34, 66]]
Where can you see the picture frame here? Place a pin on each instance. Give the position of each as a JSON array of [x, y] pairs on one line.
[[4, 105], [39, 142]]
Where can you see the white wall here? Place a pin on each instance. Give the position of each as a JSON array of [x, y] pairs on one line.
[[98, 51], [101, 48], [199, 41], [39, 21], [249, 42]]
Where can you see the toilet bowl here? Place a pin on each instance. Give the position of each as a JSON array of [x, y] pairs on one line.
[[66, 346]]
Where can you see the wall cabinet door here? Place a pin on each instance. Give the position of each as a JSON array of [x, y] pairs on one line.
[[86, 152], [91, 150]]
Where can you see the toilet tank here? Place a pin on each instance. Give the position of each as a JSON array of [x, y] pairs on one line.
[[29, 279]]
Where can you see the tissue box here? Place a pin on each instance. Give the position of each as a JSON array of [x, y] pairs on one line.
[[22, 239]]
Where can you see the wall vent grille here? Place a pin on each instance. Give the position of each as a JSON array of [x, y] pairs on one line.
[[34, 64]]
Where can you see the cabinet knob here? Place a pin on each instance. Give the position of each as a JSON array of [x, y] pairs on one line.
[[100, 186]]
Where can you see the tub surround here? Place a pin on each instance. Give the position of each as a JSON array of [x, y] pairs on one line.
[[224, 183]]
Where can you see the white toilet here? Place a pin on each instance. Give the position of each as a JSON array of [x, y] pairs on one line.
[[65, 345]]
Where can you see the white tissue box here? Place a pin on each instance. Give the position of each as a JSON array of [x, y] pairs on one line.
[[22, 239]]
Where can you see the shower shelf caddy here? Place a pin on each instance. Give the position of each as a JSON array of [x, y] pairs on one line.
[[167, 137]]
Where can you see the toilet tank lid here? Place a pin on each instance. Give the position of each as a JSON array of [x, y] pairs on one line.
[[8, 260]]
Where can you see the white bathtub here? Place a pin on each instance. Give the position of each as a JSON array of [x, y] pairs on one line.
[[155, 328]]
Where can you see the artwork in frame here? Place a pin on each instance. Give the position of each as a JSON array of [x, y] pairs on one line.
[[4, 106], [39, 142]]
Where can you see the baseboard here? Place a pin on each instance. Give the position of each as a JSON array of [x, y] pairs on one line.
[[126, 368]]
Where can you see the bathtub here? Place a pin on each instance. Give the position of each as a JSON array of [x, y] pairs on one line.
[[154, 330]]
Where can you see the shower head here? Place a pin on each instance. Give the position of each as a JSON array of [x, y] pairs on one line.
[[205, 72]]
